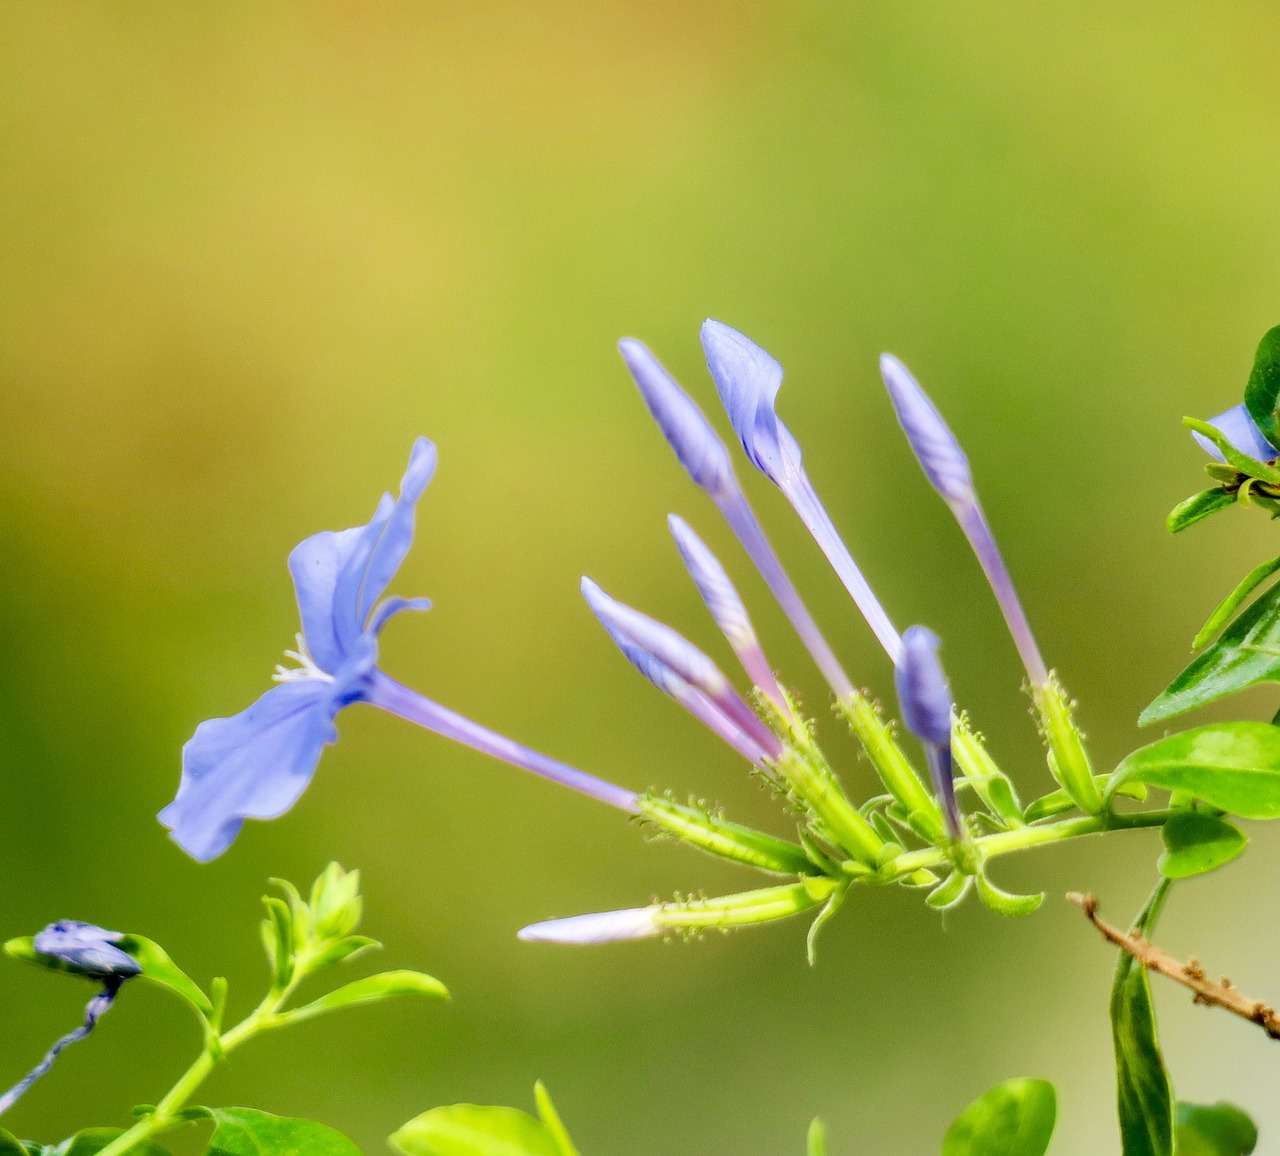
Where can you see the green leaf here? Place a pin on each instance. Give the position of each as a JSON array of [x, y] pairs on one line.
[[1143, 1093], [372, 989], [551, 1120], [278, 940], [1004, 903], [950, 891], [474, 1130], [1198, 507], [1196, 843], [1015, 1118], [92, 1140], [10, 1145], [1247, 653], [1232, 766], [1263, 386], [817, 1138], [1233, 601], [248, 1132], [159, 968], [1240, 460], [1219, 1129]]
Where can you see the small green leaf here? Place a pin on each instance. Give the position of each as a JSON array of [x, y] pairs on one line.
[[248, 1132], [1143, 1092], [372, 989], [159, 968], [1198, 507], [1219, 1129], [1233, 601], [950, 891], [10, 1145], [1232, 766], [1247, 653], [817, 1138], [1196, 843], [474, 1130], [1004, 903], [340, 950], [1263, 386], [551, 1120], [278, 939], [92, 1140], [1015, 1118]]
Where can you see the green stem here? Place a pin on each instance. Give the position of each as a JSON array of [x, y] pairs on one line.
[[1024, 838]]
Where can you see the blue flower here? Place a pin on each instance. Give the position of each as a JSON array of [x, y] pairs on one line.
[[925, 699], [1241, 432], [255, 765]]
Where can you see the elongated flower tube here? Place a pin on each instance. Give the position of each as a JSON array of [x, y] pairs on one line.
[[723, 912], [1241, 431], [680, 669], [86, 950], [947, 468], [925, 699], [726, 607], [706, 459], [257, 764], [748, 380]]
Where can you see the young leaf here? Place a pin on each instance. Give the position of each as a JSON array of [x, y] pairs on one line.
[[1198, 507], [159, 968], [372, 989], [1196, 842], [1263, 387], [1233, 601], [1219, 1129], [1015, 1118], [817, 1138], [1143, 1093], [474, 1130], [551, 1120], [247, 1132], [1232, 766], [1247, 653]]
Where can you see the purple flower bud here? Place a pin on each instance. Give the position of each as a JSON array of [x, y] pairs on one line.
[[940, 455], [87, 949], [925, 700], [1241, 432], [725, 605], [685, 426], [602, 927]]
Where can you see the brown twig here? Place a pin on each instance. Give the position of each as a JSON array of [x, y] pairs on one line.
[[1190, 974]]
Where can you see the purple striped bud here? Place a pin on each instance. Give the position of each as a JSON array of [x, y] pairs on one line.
[[925, 700], [936, 447], [602, 927], [748, 380], [88, 949], [683, 424], [725, 605]]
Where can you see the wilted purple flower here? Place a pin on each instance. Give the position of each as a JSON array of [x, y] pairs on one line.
[[89, 949], [947, 468], [704, 456], [1241, 431], [257, 763], [925, 700], [92, 952], [748, 380], [680, 669], [602, 927], [726, 606]]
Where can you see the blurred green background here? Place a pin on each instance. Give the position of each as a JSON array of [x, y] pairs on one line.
[[250, 250]]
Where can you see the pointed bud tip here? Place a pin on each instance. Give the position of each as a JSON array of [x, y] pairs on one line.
[[923, 692], [935, 446], [600, 927]]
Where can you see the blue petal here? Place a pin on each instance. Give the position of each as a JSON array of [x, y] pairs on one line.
[[316, 565], [935, 446], [923, 693], [254, 765], [748, 380], [390, 607], [1241, 433], [397, 534]]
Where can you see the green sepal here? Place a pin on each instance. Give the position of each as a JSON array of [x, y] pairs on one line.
[[1219, 1129], [1232, 766], [1263, 387], [372, 989], [551, 1120], [987, 779], [1242, 461], [922, 878], [823, 918], [1232, 602], [817, 1145], [1015, 1118], [747, 907], [703, 829], [1067, 757], [950, 891], [1198, 507], [1247, 653], [1196, 842], [1004, 903], [1144, 1093], [883, 827], [1059, 802]]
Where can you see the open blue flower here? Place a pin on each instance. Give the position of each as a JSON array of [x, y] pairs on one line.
[[256, 764]]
